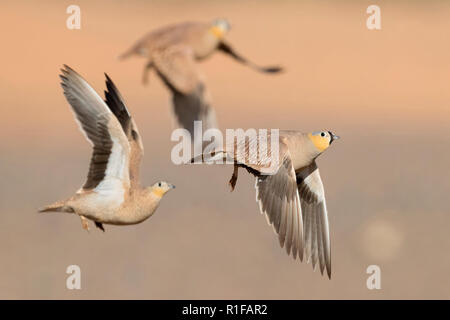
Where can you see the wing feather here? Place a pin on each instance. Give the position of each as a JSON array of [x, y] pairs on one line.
[[108, 169], [176, 67], [314, 211], [116, 104], [280, 205]]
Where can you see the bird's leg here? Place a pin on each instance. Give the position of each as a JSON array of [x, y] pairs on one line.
[[100, 226], [84, 223], [234, 177], [147, 67]]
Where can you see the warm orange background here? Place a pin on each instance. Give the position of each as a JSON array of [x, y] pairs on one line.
[[387, 180]]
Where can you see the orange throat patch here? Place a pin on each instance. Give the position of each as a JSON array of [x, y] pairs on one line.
[[319, 142], [158, 192], [217, 32]]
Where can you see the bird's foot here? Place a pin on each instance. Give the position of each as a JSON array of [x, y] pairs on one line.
[[84, 223], [147, 68], [234, 178], [100, 226], [145, 78]]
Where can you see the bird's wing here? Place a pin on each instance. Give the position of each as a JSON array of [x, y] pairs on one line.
[[114, 101], [108, 170], [315, 217], [226, 48], [176, 67], [278, 198]]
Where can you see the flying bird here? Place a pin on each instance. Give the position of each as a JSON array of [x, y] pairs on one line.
[[112, 193], [173, 51], [289, 191]]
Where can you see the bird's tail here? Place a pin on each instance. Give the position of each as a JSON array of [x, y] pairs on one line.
[[54, 207], [128, 53]]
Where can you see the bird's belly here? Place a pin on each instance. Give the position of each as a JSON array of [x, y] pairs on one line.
[[203, 54], [204, 49], [98, 207], [133, 212]]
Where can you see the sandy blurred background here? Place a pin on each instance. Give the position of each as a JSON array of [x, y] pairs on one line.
[[386, 93]]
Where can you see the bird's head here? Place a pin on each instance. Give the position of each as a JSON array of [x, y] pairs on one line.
[[220, 27], [160, 188], [322, 139]]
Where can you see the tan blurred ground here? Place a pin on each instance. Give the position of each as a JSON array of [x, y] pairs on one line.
[[387, 180]]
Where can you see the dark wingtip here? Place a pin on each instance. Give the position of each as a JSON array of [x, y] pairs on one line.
[[274, 69], [67, 69], [109, 83], [111, 88]]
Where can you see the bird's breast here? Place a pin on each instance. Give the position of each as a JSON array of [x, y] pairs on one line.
[[204, 46]]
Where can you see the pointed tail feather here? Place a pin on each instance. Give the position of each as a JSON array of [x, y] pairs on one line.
[[56, 207], [127, 54], [212, 157]]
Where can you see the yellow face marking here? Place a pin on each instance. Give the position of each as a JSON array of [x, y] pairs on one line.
[[217, 32], [159, 192], [321, 143]]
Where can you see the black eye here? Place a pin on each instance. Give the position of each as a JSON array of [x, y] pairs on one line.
[[322, 134], [159, 184]]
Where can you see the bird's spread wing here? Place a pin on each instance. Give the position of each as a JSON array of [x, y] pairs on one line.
[[226, 48], [108, 170], [194, 107], [114, 101], [278, 198], [176, 67], [315, 217]]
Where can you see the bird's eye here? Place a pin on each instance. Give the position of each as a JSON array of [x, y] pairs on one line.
[[159, 184], [322, 134]]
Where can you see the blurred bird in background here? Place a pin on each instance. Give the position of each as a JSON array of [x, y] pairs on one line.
[[173, 51]]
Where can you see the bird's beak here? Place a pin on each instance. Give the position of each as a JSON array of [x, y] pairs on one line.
[[171, 186], [333, 136]]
